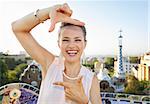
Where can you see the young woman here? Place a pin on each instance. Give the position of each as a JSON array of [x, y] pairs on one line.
[[64, 79]]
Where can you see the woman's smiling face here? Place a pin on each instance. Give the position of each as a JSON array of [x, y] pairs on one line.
[[71, 43]]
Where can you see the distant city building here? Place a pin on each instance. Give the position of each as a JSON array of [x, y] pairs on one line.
[[24, 53], [144, 67], [134, 72], [119, 72], [15, 57], [119, 76], [116, 83], [127, 65]]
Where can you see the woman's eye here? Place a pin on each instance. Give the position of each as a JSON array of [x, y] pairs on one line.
[[65, 40], [78, 40]]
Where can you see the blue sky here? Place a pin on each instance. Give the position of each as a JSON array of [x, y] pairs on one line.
[[103, 21]]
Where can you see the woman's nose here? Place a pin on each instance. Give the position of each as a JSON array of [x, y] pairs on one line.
[[71, 44]]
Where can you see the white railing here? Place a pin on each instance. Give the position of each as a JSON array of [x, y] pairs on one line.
[[120, 98], [107, 98]]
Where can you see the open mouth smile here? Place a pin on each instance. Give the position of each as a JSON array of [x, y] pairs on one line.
[[72, 53]]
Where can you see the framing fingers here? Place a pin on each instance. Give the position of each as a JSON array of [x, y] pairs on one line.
[[74, 21], [64, 84], [65, 10]]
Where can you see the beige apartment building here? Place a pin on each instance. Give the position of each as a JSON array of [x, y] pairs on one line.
[[144, 67]]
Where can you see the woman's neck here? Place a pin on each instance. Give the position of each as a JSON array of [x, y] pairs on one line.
[[72, 69]]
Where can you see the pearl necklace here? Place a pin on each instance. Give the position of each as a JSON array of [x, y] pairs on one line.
[[71, 78]]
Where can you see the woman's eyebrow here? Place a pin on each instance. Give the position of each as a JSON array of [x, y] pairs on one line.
[[73, 38], [66, 37], [77, 37]]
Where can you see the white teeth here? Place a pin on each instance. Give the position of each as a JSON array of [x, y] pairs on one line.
[[72, 53]]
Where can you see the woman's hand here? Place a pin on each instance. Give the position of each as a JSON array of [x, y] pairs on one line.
[[74, 91], [62, 13]]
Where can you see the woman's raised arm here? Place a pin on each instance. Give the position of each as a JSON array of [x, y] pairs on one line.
[[23, 26]]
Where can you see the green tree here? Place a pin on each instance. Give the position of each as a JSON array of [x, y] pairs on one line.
[[109, 62], [134, 59], [10, 63], [19, 62], [14, 75], [20, 68], [144, 87], [3, 73], [133, 85], [111, 72]]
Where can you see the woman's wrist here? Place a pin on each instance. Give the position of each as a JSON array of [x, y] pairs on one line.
[[43, 14]]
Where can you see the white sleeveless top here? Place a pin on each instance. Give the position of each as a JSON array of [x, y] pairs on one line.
[[52, 94]]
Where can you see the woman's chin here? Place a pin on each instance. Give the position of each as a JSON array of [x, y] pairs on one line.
[[72, 59]]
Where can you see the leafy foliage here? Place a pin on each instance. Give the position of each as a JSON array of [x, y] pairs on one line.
[[10, 70], [3, 73], [135, 86], [109, 62], [134, 59], [13, 75]]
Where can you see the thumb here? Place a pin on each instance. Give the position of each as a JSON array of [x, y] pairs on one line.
[[52, 27]]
